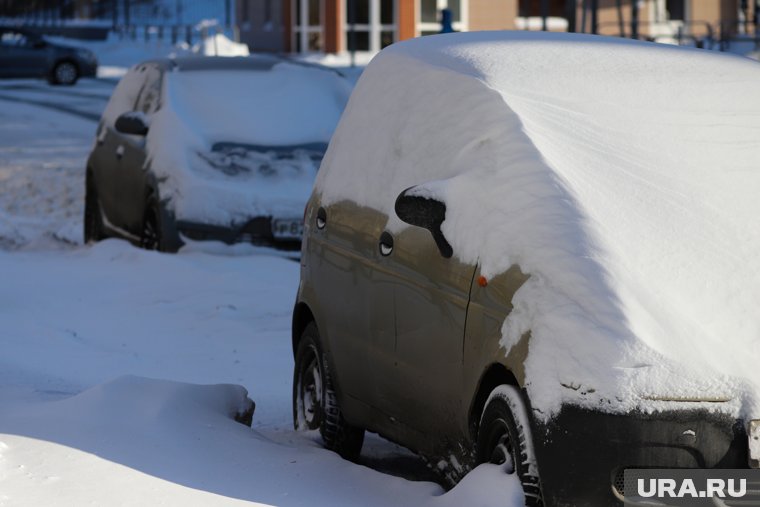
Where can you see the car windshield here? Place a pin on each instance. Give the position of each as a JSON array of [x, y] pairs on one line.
[[287, 105]]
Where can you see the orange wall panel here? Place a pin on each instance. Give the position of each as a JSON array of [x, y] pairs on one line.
[[407, 19]]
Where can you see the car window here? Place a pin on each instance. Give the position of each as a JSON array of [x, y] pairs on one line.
[[15, 39], [149, 99]]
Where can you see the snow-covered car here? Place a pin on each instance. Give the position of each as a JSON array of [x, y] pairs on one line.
[[25, 54], [211, 148], [538, 249]]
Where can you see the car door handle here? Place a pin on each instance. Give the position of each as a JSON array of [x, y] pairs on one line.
[[386, 244], [321, 218], [120, 151]]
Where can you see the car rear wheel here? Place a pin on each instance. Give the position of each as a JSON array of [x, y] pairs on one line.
[[93, 218], [65, 73], [315, 404], [504, 437]]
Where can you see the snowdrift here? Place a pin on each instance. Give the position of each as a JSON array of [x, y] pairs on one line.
[[150, 441], [623, 176]]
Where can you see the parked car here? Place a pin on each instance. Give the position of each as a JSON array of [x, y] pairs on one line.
[[539, 251], [211, 148], [24, 54]]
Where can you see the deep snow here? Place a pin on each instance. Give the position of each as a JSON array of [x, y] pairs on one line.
[[120, 369], [76, 426]]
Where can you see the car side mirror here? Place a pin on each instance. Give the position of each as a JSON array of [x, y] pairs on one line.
[[134, 123], [425, 212], [39, 44]]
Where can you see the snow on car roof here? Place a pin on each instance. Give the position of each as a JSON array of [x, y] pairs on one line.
[[258, 62], [622, 175]]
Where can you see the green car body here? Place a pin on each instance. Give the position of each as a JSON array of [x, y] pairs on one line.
[[380, 318], [396, 333]]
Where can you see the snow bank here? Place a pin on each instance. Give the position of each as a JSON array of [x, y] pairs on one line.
[[152, 441], [486, 486], [81, 424], [621, 175], [219, 45]]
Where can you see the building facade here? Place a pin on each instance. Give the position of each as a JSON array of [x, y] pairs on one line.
[[334, 26]]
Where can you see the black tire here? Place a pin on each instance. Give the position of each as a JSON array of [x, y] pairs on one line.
[[93, 218], [505, 430], [315, 405], [151, 237], [64, 73]]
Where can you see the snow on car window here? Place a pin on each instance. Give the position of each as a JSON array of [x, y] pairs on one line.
[[286, 105], [228, 145]]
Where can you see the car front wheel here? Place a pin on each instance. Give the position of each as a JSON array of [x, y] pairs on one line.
[[65, 73], [504, 438], [315, 404]]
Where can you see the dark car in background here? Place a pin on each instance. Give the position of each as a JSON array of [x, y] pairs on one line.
[[211, 149], [24, 54]]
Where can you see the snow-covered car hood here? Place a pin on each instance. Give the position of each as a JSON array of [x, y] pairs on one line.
[[622, 176], [229, 145]]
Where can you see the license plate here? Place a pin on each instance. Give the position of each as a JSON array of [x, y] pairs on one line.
[[287, 228]]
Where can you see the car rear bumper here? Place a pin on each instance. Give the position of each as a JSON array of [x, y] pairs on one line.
[[257, 231], [582, 454]]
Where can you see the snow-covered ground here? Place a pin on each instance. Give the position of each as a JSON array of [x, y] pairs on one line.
[[103, 348], [121, 370], [42, 156]]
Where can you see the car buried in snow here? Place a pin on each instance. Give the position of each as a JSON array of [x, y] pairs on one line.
[[538, 249], [211, 149]]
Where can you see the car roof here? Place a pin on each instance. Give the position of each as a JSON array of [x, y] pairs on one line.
[[258, 62]]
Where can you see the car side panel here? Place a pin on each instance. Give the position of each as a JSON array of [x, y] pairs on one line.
[[489, 306], [430, 294], [105, 166], [336, 258], [130, 183]]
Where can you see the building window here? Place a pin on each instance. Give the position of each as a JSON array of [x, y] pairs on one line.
[[429, 15], [370, 24], [667, 20], [308, 27], [676, 9]]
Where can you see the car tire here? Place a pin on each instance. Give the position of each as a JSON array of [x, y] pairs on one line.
[[315, 404], [151, 232], [64, 73], [93, 217], [504, 431]]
